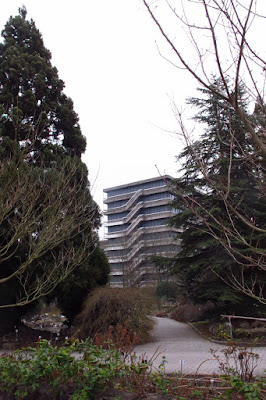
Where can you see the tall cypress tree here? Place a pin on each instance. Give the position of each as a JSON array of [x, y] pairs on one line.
[[40, 136], [34, 109], [217, 171]]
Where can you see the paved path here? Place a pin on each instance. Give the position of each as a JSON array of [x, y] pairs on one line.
[[178, 341]]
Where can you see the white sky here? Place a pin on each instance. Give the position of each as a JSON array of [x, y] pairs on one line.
[[106, 54]]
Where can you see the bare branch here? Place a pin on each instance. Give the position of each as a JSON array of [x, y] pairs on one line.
[[232, 23], [43, 212]]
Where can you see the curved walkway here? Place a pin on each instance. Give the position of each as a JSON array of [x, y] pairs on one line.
[[185, 350]]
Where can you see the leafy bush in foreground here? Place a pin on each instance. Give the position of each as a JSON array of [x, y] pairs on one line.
[[84, 371], [56, 371]]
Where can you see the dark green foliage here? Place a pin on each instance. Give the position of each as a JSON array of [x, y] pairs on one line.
[[167, 289], [33, 105], [221, 181], [42, 178], [162, 264], [71, 293]]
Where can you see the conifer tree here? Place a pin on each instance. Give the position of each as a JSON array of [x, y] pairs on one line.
[[230, 51], [217, 245], [34, 109], [48, 219]]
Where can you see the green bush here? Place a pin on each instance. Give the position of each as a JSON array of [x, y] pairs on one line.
[[56, 372], [105, 307]]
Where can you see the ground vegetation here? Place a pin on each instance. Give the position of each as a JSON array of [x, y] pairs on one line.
[[107, 372]]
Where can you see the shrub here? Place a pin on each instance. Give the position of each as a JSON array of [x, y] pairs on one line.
[[82, 371], [56, 372], [237, 362], [192, 312], [105, 307], [122, 339]]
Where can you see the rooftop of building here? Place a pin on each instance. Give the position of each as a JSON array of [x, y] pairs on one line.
[[126, 185]]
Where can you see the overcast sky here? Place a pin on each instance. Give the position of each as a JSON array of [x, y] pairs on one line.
[[105, 52]]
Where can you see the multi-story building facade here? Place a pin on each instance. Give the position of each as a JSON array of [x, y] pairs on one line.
[[136, 218]]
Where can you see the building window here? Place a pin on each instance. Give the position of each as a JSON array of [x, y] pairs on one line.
[[154, 222], [117, 204], [117, 228], [135, 188], [117, 253], [117, 216], [117, 266], [116, 279], [157, 196], [155, 210]]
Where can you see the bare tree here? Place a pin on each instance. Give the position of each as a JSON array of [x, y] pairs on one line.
[[220, 40], [47, 220]]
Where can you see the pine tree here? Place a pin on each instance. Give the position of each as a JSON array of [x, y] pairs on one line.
[[219, 184]]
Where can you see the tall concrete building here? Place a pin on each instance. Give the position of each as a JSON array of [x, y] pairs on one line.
[[136, 228]]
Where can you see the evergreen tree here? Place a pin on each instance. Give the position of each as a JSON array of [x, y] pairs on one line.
[[71, 293], [34, 110], [216, 195], [48, 219]]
